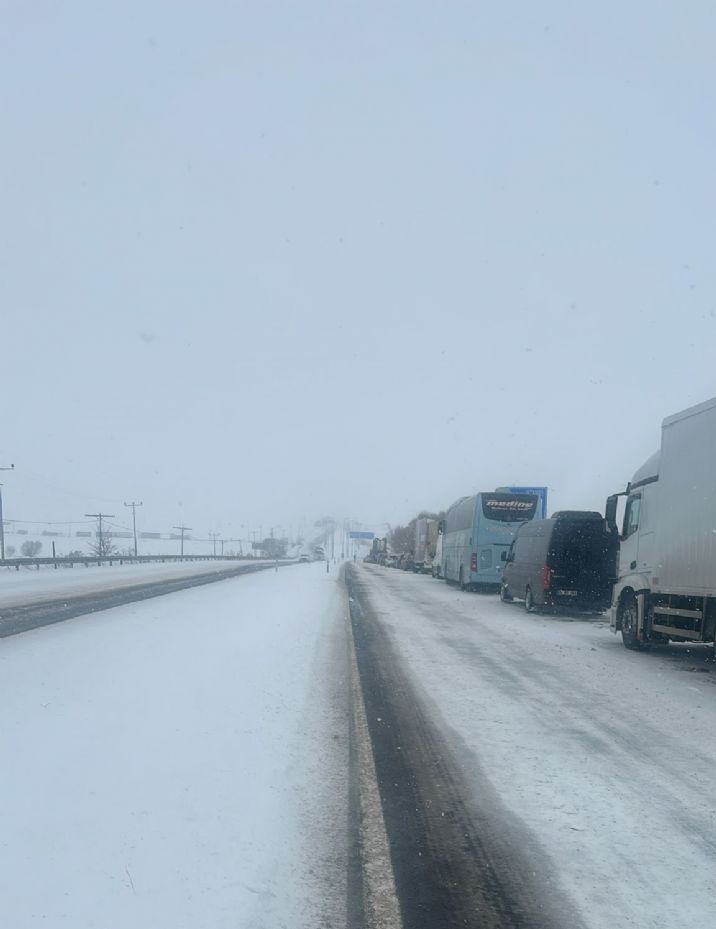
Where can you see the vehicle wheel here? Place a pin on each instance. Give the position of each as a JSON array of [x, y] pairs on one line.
[[505, 595], [629, 616], [462, 582], [529, 601]]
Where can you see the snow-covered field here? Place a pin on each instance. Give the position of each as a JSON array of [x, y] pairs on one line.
[[607, 756], [67, 541], [28, 585], [179, 762]]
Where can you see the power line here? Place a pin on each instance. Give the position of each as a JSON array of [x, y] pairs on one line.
[[2, 527], [182, 529], [134, 522], [49, 522], [99, 517]]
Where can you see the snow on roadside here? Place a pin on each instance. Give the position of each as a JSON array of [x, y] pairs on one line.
[[179, 762], [31, 586]]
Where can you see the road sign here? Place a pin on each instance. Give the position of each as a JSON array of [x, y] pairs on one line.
[[361, 535]]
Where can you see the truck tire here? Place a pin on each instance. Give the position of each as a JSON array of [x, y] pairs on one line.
[[629, 616], [529, 601], [462, 582], [505, 595]]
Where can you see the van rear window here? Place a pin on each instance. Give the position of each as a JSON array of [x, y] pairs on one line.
[[509, 508]]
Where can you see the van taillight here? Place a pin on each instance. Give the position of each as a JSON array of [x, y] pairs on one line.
[[473, 562], [546, 577]]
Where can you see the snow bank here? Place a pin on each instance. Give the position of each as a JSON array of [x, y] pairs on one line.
[[28, 585], [179, 762]]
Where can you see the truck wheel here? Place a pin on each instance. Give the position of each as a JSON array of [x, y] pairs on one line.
[[529, 601], [462, 582], [629, 616], [505, 595]]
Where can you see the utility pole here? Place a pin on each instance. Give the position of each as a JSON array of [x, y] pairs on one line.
[[134, 522], [182, 529], [2, 524], [214, 536], [99, 517]]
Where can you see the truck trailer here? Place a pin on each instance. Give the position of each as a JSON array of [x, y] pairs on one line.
[[666, 585], [424, 549]]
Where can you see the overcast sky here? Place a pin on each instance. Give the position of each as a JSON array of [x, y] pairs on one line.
[[262, 262]]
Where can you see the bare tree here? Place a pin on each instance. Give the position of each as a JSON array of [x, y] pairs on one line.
[[402, 538], [30, 549], [103, 546]]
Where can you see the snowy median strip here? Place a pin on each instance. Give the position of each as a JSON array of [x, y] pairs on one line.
[[380, 899]]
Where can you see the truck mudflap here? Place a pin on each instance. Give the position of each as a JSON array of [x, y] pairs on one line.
[[614, 623]]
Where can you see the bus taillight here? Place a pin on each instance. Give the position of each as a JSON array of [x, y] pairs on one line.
[[546, 577]]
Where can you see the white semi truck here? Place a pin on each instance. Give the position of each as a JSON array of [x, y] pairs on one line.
[[666, 585]]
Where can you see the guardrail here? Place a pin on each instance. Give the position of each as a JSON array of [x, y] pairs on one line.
[[66, 562]]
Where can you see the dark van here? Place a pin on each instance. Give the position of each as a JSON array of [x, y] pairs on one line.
[[566, 561]]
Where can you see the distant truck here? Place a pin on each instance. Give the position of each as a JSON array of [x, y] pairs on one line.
[[437, 567], [426, 534], [378, 550], [666, 585]]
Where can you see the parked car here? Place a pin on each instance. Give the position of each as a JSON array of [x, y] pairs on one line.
[[566, 561], [391, 561], [408, 562]]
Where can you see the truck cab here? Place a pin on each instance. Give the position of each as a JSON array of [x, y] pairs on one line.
[[637, 535], [636, 539]]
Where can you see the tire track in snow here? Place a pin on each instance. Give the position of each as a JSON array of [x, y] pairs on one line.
[[456, 863], [373, 900]]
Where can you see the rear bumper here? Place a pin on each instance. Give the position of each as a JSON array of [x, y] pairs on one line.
[[581, 601], [490, 577]]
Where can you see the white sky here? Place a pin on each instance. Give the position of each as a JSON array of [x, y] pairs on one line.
[[266, 261]]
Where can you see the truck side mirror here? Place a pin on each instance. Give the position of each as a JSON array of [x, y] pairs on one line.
[[610, 512]]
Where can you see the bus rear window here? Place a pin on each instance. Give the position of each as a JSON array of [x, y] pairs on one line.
[[509, 508]]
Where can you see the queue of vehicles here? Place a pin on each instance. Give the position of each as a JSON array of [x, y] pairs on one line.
[[655, 572]]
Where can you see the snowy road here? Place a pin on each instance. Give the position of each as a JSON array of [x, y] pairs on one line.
[[531, 769], [209, 759], [180, 762]]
